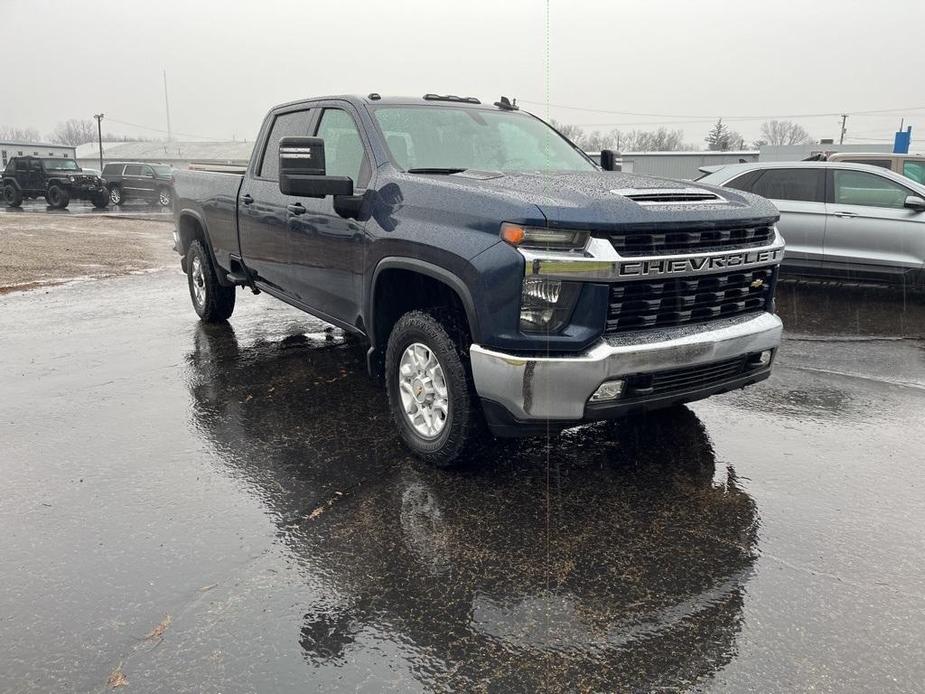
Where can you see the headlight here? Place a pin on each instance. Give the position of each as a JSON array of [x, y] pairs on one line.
[[544, 239], [71, 179], [545, 305]]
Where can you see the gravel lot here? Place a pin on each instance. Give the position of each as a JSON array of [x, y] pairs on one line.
[[44, 249]]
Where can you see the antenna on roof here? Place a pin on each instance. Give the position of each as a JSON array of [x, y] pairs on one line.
[[507, 105]]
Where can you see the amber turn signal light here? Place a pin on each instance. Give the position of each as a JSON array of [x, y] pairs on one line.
[[513, 234]]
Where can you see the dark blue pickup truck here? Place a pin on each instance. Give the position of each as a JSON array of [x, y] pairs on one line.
[[501, 279]]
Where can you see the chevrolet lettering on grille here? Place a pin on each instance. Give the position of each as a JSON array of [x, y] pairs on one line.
[[685, 266]]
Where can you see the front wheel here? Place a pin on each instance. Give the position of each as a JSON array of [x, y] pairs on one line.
[[214, 303], [101, 200], [57, 197], [115, 195], [429, 391], [164, 197]]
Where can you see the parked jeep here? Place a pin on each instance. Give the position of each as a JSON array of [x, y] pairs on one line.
[[133, 180], [57, 180]]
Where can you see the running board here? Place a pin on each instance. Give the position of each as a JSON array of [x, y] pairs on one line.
[[242, 280]]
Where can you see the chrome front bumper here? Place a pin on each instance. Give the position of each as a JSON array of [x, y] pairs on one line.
[[551, 388]]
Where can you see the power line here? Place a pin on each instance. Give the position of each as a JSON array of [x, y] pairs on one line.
[[161, 130], [714, 116]]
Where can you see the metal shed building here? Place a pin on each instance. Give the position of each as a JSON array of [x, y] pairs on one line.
[[34, 149]]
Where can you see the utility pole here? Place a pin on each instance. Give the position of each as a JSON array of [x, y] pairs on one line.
[[167, 108], [99, 130], [844, 119]]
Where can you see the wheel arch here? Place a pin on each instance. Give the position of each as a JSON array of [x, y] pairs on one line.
[[383, 310], [191, 226]]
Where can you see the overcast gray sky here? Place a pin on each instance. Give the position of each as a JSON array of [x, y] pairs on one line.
[[228, 62]]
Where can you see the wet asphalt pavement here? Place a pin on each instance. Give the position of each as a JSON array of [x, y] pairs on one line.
[[227, 509], [131, 209]]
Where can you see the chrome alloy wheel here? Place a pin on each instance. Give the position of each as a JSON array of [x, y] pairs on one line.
[[423, 390], [199, 281], [164, 198]]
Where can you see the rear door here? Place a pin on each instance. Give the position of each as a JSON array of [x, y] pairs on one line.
[[327, 249], [799, 194], [263, 220], [36, 177], [870, 231], [148, 182], [132, 181]]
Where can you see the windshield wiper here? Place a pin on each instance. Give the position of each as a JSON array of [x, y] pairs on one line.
[[435, 170]]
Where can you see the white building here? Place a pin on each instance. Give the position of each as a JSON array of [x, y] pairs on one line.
[[177, 154], [33, 149]]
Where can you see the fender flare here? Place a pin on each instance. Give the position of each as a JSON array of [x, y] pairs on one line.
[[430, 270], [187, 212], [10, 179]]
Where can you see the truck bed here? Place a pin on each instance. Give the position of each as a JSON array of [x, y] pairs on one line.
[[214, 196]]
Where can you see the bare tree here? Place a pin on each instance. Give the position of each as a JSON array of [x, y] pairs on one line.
[[75, 132], [14, 134], [784, 132], [659, 140], [572, 132]]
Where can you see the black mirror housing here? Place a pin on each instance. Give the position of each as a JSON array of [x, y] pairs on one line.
[[914, 202], [610, 160], [302, 170]]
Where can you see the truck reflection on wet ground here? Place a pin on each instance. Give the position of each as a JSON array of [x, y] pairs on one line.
[[618, 566]]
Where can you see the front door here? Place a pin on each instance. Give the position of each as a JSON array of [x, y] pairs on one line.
[[328, 249], [263, 221], [870, 231]]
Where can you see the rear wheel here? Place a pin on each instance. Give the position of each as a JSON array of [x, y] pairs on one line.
[[213, 302], [115, 195], [429, 389], [11, 195], [57, 197]]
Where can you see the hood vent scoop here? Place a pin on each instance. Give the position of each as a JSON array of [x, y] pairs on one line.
[[670, 196]]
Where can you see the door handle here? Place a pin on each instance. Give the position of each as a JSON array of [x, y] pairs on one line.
[[846, 214], [296, 208], [247, 199]]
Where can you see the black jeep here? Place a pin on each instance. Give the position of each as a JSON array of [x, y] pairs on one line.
[[58, 180]]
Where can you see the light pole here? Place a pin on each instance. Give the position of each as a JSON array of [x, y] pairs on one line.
[[99, 130]]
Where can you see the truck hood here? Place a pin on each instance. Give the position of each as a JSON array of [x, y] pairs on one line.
[[604, 199]]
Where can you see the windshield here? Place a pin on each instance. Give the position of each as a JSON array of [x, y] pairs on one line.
[[429, 137], [162, 169], [61, 165]]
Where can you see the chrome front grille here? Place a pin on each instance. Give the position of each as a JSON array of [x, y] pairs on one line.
[[689, 240], [681, 301]]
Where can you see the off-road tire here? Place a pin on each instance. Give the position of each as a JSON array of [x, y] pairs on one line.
[[57, 197], [464, 426], [101, 201], [12, 196], [216, 302], [115, 195]]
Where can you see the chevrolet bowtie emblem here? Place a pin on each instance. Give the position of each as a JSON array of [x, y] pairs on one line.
[[757, 283]]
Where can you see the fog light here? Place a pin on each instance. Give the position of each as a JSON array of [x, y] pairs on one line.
[[608, 390], [762, 358]]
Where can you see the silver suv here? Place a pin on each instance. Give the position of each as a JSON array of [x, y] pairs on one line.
[[841, 220]]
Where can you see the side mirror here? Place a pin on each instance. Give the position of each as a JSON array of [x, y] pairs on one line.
[[610, 160], [914, 202], [302, 172]]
